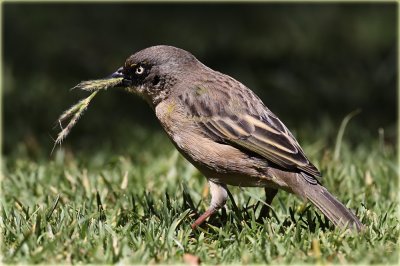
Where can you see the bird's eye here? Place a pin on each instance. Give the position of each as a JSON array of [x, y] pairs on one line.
[[139, 70]]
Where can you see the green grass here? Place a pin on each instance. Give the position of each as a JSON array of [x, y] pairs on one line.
[[135, 204]]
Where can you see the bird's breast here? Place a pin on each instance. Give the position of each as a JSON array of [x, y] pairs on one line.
[[217, 161]]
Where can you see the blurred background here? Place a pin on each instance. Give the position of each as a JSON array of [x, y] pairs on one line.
[[312, 64]]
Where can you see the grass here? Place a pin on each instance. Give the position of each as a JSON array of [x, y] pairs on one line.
[[75, 112], [136, 204]]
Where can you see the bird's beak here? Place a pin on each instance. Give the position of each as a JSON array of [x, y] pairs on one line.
[[120, 74], [117, 74]]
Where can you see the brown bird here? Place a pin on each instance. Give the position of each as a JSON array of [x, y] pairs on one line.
[[226, 131]]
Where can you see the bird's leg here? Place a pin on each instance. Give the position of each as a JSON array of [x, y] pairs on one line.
[[270, 193], [219, 195]]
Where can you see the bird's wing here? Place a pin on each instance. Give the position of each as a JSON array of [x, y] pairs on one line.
[[227, 117]]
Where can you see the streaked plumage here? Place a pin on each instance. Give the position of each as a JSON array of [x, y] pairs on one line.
[[248, 125]]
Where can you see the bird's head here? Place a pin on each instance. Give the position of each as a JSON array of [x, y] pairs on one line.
[[153, 72]]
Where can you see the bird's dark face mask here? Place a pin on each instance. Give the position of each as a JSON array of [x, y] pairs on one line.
[[143, 79]]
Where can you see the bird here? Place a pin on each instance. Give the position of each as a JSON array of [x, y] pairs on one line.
[[226, 131]]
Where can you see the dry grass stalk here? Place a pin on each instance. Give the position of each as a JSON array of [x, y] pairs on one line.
[[76, 111], [98, 84]]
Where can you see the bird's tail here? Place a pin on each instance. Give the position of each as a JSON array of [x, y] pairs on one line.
[[336, 212]]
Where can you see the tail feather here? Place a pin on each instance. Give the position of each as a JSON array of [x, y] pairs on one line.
[[299, 184], [336, 212]]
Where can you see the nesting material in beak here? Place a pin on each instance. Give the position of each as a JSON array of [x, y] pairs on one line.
[[76, 111], [99, 84]]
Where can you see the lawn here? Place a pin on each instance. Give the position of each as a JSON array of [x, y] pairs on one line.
[[134, 204]]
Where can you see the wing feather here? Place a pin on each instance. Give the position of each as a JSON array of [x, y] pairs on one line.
[[254, 129]]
